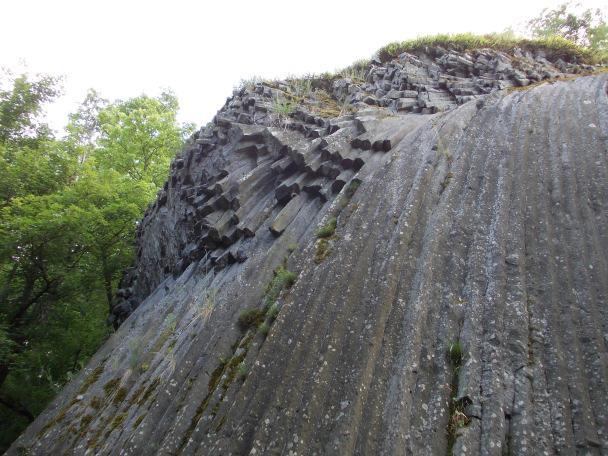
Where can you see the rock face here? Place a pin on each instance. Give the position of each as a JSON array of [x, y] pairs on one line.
[[419, 266], [211, 202]]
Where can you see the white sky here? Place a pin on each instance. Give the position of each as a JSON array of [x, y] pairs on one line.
[[202, 49]]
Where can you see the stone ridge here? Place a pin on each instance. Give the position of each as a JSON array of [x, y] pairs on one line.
[[218, 192]]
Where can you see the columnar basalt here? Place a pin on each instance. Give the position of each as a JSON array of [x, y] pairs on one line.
[[209, 205], [413, 261]]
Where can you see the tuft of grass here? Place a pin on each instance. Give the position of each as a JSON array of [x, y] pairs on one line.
[[255, 317], [273, 312], [264, 329], [353, 185], [554, 47], [249, 84], [117, 421], [251, 318], [328, 229], [283, 278], [446, 181], [322, 250], [282, 107], [85, 421], [357, 71], [242, 370], [455, 353], [326, 105], [458, 418], [301, 87]]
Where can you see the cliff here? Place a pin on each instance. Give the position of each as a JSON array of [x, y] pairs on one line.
[[411, 259]]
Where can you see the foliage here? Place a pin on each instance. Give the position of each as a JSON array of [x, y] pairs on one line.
[[84, 126], [553, 46], [21, 103], [140, 136], [586, 28], [39, 167], [255, 317], [68, 211]]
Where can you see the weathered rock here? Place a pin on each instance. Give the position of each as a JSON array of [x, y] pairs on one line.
[[460, 301]]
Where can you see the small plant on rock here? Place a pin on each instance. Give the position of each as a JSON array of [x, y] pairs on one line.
[[283, 278], [250, 318], [273, 312], [456, 354], [282, 108], [458, 418], [328, 229], [264, 329], [301, 87], [322, 250], [242, 370]]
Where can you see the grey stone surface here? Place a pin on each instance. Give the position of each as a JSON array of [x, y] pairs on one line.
[[484, 224]]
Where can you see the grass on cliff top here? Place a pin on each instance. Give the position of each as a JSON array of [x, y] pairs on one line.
[[554, 47]]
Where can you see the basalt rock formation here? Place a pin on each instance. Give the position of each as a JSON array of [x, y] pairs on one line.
[[412, 260]]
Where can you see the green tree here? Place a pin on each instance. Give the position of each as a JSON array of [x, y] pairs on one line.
[[114, 204], [68, 212], [586, 28], [21, 103], [140, 136], [83, 127], [31, 160]]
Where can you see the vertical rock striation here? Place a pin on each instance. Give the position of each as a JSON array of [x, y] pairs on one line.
[[413, 275]]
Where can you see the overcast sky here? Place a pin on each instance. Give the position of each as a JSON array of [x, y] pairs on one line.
[[202, 49]]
